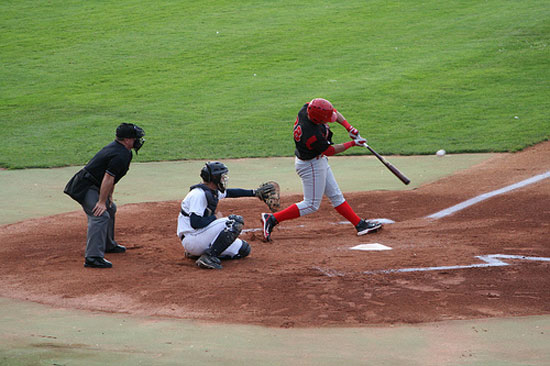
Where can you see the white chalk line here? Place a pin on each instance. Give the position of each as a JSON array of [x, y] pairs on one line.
[[491, 260], [329, 272], [482, 197], [260, 228]]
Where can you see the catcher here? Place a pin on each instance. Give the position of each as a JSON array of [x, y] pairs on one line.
[[203, 232]]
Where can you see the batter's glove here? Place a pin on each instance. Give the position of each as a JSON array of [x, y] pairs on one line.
[[353, 132], [270, 193], [359, 141]]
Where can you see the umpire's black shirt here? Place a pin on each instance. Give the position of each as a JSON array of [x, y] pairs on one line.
[[114, 159]]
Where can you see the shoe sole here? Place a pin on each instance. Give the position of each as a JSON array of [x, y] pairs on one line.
[[267, 236], [369, 230], [91, 266], [204, 265]]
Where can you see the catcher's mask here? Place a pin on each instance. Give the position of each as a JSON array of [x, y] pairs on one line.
[[320, 111], [131, 131], [215, 172]]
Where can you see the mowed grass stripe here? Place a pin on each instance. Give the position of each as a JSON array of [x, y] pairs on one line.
[[219, 79]]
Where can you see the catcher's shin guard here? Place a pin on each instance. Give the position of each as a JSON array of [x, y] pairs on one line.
[[211, 257], [234, 226]]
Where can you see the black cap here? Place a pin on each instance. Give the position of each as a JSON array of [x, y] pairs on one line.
[[129, 130]]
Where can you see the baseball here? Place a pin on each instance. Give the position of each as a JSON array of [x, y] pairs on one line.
[[440, 152]]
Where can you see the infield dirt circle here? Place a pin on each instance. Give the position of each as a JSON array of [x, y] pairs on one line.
[[308, 276]]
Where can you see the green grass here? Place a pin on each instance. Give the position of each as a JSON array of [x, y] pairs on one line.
[[413, 76]]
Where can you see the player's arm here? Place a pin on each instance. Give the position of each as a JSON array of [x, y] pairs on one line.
[[239, 192], [353, 132], [105, 191], [338, 148], [198, 222]]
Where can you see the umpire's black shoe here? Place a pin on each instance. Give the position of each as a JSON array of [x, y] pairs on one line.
[[116, 249], [97, 262], [365, 227], [269, 222], [209, 262]]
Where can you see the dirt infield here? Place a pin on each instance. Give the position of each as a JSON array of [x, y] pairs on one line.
[[308, 276]]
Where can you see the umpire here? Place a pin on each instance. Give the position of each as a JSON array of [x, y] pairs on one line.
[[93, 187]]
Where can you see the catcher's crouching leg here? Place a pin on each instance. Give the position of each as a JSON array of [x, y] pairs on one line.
[[210, 259], [244, 251]]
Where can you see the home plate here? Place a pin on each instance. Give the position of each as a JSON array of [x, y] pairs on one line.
[[373, 246]]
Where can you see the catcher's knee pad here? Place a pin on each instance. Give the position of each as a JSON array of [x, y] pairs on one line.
[[234, 224]]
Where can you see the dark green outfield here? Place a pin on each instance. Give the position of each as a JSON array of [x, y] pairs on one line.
[[223, 79]]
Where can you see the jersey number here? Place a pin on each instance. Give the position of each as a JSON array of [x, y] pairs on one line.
[[297, 133]]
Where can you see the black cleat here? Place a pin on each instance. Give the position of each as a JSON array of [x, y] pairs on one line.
[[97, 262], [191, 256], [209, 262], [269, 222], [365, 227], [116, 249]]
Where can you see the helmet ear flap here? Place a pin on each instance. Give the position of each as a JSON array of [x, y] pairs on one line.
[[206, 173]]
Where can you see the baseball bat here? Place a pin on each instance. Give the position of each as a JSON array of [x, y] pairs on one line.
[[388, 165]]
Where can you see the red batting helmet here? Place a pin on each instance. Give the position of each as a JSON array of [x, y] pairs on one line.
[[320, 110]]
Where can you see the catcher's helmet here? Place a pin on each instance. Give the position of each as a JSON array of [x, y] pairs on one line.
[[131, 131], [320, 110], [215, 172]]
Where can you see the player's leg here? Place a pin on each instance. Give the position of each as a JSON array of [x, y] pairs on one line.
[[210, 259], [334, 194], [195, 244], [312, 173], [97, 232], [111, 246], [339, 203], [237, 250]]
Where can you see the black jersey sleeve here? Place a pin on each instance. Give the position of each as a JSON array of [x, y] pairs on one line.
[[118, 165]]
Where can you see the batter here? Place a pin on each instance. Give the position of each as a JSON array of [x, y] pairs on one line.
[[313, 140]]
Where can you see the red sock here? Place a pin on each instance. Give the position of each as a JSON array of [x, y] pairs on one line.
[[345, 210], [289, 213]]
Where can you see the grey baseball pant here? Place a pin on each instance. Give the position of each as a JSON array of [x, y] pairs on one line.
[[101, 229]]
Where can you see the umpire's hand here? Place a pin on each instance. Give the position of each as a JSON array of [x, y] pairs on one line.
[[99, 208]]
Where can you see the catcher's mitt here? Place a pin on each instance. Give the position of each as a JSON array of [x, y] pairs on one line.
[[270, 193]]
